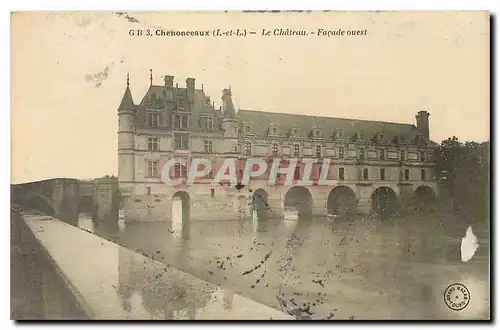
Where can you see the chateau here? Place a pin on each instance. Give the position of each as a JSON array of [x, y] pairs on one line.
[[372, 165]]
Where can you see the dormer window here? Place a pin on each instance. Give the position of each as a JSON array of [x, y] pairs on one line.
[[338, 134], [316, 132], [273, 128], [294, 130], [419, 139]]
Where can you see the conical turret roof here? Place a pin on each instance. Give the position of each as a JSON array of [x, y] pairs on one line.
[[127, 102]]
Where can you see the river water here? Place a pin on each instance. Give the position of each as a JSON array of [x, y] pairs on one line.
[[326, 269]]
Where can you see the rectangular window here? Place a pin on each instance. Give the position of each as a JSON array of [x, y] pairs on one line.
[[207, 123], [207, 147], [177, 121], [382, 174], [181, 141], [422, 156], [402, 155], [412, 156], [181, 121], [296, 174], [180, 168], [341, 153], [152, 169], [341, 173], [148, 191], [212, 192], [180, 105], [392, 155], [296, 150], [365, 174], [372, 154], [210, 171], [422, 174], [352, 153], [152, 143], [153, 119], [407, 175], [362, 154], [248, 148], [318, 151], [184, 122], [275, 149], [382, 154]]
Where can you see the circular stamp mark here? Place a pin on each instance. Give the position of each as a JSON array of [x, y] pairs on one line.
[[456, 296]]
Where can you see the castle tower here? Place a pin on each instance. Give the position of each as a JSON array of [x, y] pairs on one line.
[[423, 123], [229, 123], [126, 126]]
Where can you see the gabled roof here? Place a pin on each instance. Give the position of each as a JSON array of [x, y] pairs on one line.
[[327, 125], [127, 101]]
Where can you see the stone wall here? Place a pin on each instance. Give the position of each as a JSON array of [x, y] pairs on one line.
[[153, 201]]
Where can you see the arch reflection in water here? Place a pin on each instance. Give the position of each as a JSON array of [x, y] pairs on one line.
[[163, 293], [298, 200], [181, 203], [384, 202]]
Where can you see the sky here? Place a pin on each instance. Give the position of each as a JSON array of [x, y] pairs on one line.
[[68, 75]]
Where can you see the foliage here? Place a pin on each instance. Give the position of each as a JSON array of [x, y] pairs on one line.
[[463, 170]]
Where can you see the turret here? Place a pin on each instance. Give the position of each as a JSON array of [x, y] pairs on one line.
[[229, 122], [126, 124], [227, 104], [423, 123]]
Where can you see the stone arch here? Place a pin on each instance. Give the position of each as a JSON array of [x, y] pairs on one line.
[[384, 201], [424, 198], [260, 203], [185, 201], [341, 201], [300, 199]]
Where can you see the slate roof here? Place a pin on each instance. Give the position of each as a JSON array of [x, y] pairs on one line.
[[127, 102], [261, 121], [201, 104]]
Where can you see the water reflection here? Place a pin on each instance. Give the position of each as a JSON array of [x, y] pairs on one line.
[[163, 293], [317, 269]]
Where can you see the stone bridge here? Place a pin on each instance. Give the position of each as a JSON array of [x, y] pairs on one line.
[[66, 198]]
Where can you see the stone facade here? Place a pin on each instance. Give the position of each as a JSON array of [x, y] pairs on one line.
[[366, 157]]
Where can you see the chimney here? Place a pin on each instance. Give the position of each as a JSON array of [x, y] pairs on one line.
[[423, 123], [169, 81], [190, 85]]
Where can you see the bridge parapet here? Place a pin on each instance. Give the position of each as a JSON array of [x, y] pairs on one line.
[[100, 278]]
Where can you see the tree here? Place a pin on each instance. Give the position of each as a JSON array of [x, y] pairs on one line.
[[463, 169]]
